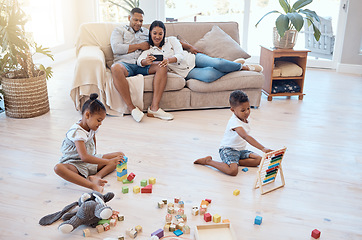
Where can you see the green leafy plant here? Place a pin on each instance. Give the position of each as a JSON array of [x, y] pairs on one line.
[[17, 48], [292, 18], [130, 4]]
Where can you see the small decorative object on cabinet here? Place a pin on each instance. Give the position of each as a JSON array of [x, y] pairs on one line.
[[268, 57]]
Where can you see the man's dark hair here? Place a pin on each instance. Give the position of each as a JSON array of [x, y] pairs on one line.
[[238, 97], [137, 10]]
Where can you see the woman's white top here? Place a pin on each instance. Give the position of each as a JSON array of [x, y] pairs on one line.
[[172, 48]]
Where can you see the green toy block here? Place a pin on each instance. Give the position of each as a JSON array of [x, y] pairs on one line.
[[124, 189], [126, 181], [103, 221], [144, 183]]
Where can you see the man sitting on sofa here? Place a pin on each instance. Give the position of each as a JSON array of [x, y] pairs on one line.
[[127, 44]]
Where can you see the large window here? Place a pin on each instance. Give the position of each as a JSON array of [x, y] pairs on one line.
[[45, 21]]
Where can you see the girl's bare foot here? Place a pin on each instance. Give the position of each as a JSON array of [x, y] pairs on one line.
[[203, 161], [98, 183]]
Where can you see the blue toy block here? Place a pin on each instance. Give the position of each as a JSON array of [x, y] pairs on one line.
[[178, 232], [258, 220], [245, 169]]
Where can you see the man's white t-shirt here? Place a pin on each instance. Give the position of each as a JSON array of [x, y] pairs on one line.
[[231, 138]]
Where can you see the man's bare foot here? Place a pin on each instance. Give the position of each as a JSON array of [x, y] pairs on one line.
[[98, 183], [203, 161]]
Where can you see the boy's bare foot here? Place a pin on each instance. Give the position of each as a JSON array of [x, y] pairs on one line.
[[98, 183], [203, 161]]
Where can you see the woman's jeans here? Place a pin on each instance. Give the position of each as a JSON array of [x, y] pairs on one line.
[[209, 69]]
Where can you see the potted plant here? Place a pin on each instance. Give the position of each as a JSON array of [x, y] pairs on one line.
[[23, 83], [289, 23]]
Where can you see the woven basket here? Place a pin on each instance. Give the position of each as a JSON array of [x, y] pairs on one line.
[[287, 41], [26, 97]]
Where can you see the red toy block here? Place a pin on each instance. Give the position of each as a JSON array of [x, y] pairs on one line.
[[316, 233], [208, 200], [131, 176], [147, 189], [207, 217]]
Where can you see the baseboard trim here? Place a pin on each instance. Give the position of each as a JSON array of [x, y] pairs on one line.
[[349, 68]]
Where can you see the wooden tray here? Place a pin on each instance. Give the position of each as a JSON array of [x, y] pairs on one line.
[[217, 231]]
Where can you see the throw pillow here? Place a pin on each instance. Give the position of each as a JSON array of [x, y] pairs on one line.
[[288, 69], [217, 43], [108, 54]]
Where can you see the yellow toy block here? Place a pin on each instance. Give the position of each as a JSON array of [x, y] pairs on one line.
[[136, 189], [225, 221], [236, 192], [152, 180], [216, 218]]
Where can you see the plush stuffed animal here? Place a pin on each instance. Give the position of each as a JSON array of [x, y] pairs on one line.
[[92, 208]]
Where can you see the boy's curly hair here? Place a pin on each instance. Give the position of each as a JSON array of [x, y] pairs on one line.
[[237, 97]]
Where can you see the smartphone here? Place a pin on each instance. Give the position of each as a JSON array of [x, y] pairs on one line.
[[159, 57]]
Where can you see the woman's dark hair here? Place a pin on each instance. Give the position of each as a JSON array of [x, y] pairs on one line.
[[238, 97], [93, 104], [153, 25]]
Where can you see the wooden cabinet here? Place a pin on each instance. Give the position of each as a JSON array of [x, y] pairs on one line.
[[267, 58]]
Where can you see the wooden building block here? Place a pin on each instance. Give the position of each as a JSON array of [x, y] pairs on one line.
[[143, 182], [316, 233], [181, 211], [113, 222], [225, 221], [106, 226], [186, 229], [208, 200], [216, 218], [138, 228], [207, 217], [195, 211], [159, 233], [86, 233], [120, 237], [120, 217], [136, 189], [202, 211], [161, 204], [152, 180], [168, 218], [258, 220], [178, 232], [131, 176], [100, 228], [124, 189], [181, 204], [177, 199], [164, 201], [125, 181], [236, 192]]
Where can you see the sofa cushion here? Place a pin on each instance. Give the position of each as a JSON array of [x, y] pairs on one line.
[[174, 82], [231, 81], [217, 43]]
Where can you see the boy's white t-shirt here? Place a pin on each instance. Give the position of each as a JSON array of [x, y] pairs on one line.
[[231, 138]]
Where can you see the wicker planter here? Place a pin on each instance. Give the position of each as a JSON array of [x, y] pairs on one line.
[[287, 41], [25, 97]]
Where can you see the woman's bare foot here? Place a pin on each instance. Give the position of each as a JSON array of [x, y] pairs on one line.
[[98, 183], [203, 161]]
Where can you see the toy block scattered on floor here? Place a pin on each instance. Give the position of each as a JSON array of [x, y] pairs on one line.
[[131, 176], [136, 189], [202, 211], [186, 229], [143, 183], [204, 202], [147, 189], [178, 232], [172, 227], [208, 200], [106, 226], [195, 211], [131, 232], [225, 221], [138, 228], [86, 233], [236, 192], [120, 217], [216, 218], [124, 189], [181, 204], [159, 233], [113, 222], [152, 180], [100, 228], [316, 233], [164, 201], [168, 218], [207, 217], [245, 169], [121, 237], [258, 220], [103, 221], [125, 181], [177, 200], [160, 204]]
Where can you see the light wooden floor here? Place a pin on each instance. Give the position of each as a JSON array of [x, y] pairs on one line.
[[322, 167]]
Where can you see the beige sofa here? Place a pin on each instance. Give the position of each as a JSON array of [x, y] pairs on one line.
[[94, 53]]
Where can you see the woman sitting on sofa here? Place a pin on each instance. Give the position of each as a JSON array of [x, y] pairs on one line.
[[190, 66]]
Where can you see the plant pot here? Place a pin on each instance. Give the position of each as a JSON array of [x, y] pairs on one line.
[[287, 41], [25, 97]]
